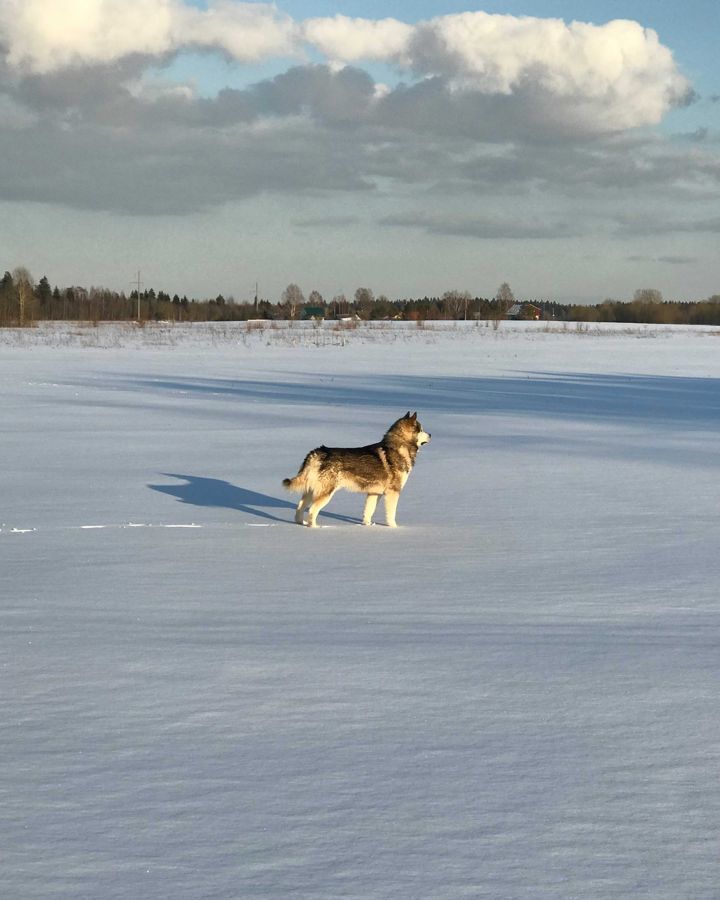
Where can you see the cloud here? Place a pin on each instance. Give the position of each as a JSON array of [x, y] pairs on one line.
[[611, 76], [670, 260], [617, 75], [498, 53], [351, 40], [327, 222], [247, 32], [330, 96], [99, 138], [698, 136], [161, 168], [650, 223], [13, 114], [43, 36], [493, 106], [485, 227], [601, 78]]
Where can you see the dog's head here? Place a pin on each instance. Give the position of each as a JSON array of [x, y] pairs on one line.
[[413, 429]]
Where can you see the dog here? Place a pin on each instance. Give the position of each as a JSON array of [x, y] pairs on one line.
[[378, 470]]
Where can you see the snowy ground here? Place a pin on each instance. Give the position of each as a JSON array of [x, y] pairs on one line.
[[514, 695]]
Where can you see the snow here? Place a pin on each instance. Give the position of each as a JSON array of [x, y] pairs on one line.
[[513, 695]]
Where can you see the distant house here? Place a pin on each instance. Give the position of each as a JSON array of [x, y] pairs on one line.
[[524, 311], [313, 312]]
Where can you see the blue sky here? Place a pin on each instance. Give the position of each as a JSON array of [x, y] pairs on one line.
[[213, 145]]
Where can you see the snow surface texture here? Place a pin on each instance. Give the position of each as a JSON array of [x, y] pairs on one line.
[[514, 695]]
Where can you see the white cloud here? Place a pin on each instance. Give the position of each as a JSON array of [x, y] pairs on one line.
[[45, 35], [499, 104], [607, 77], [351, 40], [495, 53], [615, 76], [247, 32], [603, 77], [42, 36]]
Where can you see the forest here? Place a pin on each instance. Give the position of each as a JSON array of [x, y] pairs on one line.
[[24, 301]]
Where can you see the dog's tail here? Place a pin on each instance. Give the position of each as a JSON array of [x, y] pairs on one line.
[[295, 484], [308, 470]]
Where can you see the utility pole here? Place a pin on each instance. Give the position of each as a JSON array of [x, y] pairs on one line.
[[138, 283]]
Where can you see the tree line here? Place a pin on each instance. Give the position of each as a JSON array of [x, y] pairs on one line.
[[24, 301]]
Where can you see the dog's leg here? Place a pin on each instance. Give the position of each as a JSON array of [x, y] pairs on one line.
[[300, 509], [370, 504], [317, 504], [391, 502]]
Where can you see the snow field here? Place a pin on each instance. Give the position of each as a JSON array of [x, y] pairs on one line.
[[514, 695]]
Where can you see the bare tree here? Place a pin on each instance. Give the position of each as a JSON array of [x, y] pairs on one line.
[[455, 304], [505, 296], [24, 283], [292, 297], [647, 295], [364, 300]]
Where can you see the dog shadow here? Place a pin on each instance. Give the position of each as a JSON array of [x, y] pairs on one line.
[[213, 492]]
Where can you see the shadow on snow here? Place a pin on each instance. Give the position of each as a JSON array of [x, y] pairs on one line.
[[662, 401], [213, 492]]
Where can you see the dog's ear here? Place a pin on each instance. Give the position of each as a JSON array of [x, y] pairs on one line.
[[407, 415], [413, 416]]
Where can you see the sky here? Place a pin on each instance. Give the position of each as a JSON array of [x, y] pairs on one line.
[[571, 149]]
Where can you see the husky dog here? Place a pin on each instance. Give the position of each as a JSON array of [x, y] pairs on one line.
[[376, 470]]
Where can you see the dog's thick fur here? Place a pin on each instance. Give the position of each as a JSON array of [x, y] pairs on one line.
[[378, 470]]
